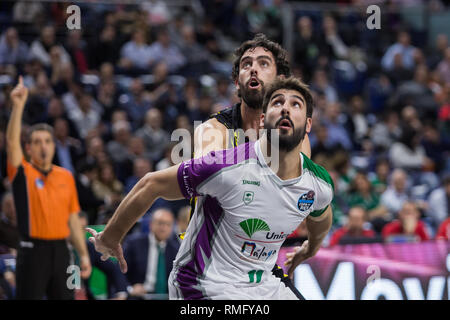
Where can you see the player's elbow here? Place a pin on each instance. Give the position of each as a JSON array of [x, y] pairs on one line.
[[148, 181], [149, 184]]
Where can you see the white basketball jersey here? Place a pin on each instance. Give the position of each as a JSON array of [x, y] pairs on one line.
[[246, 213]]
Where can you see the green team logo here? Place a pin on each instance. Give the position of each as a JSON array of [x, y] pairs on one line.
[[250, 226], [248, 197]]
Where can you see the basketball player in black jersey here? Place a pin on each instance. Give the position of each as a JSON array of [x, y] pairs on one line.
[[257, 63]]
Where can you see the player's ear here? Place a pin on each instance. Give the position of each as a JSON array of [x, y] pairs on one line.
[[308, 125], [261, 120]]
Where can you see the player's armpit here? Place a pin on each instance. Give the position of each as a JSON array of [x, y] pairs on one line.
[[209, 136], [327, 213]]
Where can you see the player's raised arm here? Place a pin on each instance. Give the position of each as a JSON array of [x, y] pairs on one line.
[[18, 97], [152, 186]]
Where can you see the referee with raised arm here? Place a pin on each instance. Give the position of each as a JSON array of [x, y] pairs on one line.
[[47, 208]]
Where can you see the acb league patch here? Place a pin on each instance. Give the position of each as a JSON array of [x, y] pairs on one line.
[[305, 201]]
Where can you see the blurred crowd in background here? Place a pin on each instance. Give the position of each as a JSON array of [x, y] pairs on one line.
[[116, 89]]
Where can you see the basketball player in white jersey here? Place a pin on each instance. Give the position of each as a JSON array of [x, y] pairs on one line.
[[234, 237]]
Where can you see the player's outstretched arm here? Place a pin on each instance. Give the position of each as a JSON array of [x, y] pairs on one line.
[[318, 229], [152, 186]]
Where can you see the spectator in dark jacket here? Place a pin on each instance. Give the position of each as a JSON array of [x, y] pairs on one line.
[[150, 256]]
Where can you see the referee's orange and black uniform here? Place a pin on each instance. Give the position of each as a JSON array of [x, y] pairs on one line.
[[44, 202]]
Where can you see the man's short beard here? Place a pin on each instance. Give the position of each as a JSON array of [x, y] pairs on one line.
[[253, 99], [286, 143]]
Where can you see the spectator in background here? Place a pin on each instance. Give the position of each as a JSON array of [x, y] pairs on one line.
[[118, 147], [89, 203], [321, 83], [83, 110], [136, 148], [106, 186], [223, 95], [417, 92], [355, 227], [396, 194], [322, 144], [331, 42], [362, 194], [410, 118], [108, 97], [443, 67], [444, 230], [157, 11], [141, 166], [95, 149], [437, 53], [9, 234], [408, 225], [387, 131], [439, 202], [150, 256], [435, 146], [358, 126], [41, 47], [306, 47], [403, 48], [40, 94], [62, 73], [13, 51], [105, 48], [407, 153], [164, 50], [197, 57], [399, 73], [337, 134], [379, 180], [135, 54], [167, 161], [77, 49], [204, 110], [55, 111], [379, 89], [68, 149], [155, 138], [136, 102]]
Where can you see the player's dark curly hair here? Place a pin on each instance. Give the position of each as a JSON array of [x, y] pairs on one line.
[[290, 83], [260, 40]]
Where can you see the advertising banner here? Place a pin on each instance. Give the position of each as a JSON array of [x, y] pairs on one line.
[[391, 271]]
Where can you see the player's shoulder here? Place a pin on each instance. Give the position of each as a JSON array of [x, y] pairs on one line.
[[224, 117], [211, 124], [317, 171]]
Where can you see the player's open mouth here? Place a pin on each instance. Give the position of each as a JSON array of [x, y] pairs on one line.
[[254, 83], [284, 124]]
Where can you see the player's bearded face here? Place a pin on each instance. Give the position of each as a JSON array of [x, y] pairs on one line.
[[252, 98], [287, 139]]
